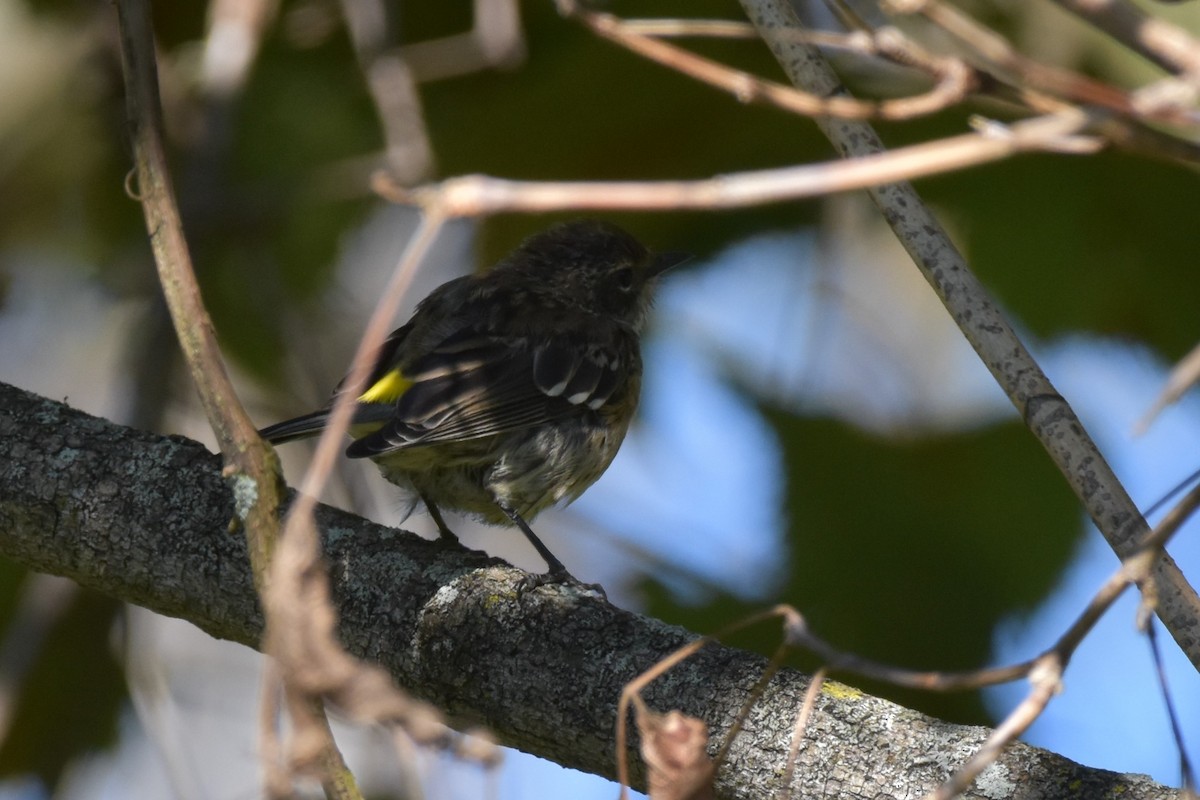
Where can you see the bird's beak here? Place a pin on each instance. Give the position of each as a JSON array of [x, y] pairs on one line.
[[665, 261]]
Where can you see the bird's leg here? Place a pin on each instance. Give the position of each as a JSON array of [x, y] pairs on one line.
[[444, 531], [557, 572], [556, 567]]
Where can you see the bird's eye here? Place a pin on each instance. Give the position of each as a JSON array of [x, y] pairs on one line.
[[623, 278]]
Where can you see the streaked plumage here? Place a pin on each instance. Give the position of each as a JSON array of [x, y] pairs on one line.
[[512, 390]]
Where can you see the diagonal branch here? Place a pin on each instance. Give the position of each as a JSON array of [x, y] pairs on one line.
[[978, 315], [1163, 43]]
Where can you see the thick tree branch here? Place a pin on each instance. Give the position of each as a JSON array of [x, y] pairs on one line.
[[147, 519]]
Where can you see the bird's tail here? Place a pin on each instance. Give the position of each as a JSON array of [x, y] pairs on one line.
[[296, 428], [367, 418]]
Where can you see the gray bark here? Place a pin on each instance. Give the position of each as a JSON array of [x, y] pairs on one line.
[[146, 518]]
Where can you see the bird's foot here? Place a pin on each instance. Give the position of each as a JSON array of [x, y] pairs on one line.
[[563, 578]]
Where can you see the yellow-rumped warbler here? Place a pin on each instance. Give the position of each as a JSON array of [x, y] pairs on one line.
[[509, 391]]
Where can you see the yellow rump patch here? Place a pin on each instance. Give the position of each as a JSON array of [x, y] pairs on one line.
[[387, 389]]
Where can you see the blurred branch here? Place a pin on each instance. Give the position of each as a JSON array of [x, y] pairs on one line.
[[251, 466], [1044, 410], [989, 45], [232, 41], [1169, 100], [495, 41], [301, 616], [480, 195], [1167, 45], [995, 70], [145, 518], [1044, 88], [953, 78], [1184, 375], [393, 89], [393, 72]]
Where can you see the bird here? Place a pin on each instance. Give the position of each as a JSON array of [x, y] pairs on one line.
[[510, 391]]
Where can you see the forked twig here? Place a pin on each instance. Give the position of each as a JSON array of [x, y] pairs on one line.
[[952, 76]]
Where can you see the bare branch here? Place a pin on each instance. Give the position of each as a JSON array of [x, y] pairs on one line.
[[1168, 45], [393, 89], [802, 718], [251, 466], [250, 459], [1046, 679], [952, 75], [1160, 672], [993, 47], [232, 41], [301, 616], [495, 40], [1184, 376], [481, 195], [1044, 410]]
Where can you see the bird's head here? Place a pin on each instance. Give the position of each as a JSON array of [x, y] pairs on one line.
[[591, 266]]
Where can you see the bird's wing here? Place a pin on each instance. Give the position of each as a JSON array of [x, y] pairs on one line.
[[473, 385]]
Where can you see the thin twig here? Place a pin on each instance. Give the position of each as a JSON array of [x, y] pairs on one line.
[[1046, 680], [802, 718], [301, 619], [953, 77], [631, 692], [1184, 375], [1156, 102], [1135, 569], [756, 692], [330, 444], [481, 195], [1046, 672], [1186, 772], [800, 636], [252, 467], [1167, 45], [631, 695], [393, 89], [995, 48]]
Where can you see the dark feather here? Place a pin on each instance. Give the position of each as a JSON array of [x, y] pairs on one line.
[[463, 392], [296, 428]]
